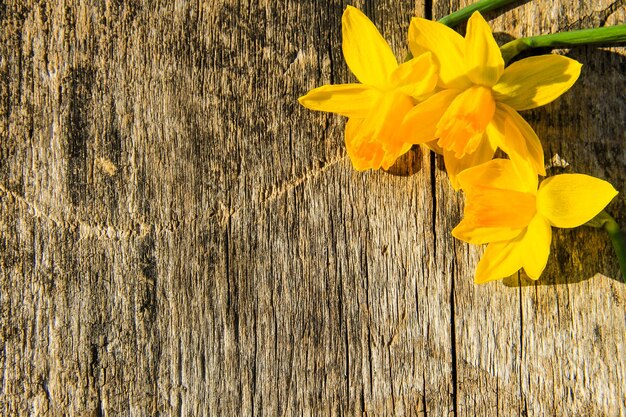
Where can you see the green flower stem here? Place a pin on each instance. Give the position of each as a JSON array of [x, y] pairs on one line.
[[603, 36], [482, 6], [608, 223]]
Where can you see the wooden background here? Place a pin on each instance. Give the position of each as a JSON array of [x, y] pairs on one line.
[[179, 237]]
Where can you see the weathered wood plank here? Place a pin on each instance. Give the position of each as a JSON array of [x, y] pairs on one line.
[[179, 237]]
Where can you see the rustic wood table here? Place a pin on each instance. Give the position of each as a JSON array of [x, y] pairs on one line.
[[179, 237]]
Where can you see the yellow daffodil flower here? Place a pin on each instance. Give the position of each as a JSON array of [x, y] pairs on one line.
[[504, 208], [376, 106], [475, 110]]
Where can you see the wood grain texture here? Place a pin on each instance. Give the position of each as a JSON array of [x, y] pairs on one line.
[[179, 237]]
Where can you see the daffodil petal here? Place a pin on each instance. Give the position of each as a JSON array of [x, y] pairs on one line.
[[351, 100], [416, 77], [570, 200], [454, 166], [536, 242], [535, 81], [480, 235], [530, 250], [502, 174], [367, 54], [420, 124], [446, 45], [511, 133], [500, 260], [483, 58]]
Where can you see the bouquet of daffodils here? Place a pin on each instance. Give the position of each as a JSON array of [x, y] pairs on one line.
[[457, 96]]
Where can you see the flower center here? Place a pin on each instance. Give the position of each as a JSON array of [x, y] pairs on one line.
[[461, 127], [493, 207]]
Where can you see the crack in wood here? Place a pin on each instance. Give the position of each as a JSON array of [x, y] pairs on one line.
[[286, 187], [599, 16], [88, 230], [32, 208], [110, 232]]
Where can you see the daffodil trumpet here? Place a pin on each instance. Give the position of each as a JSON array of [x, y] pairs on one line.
[[483, 6], [604, 36], [618, 240]]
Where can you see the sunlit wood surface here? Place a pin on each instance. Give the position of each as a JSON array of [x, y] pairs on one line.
[[178, 237]]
